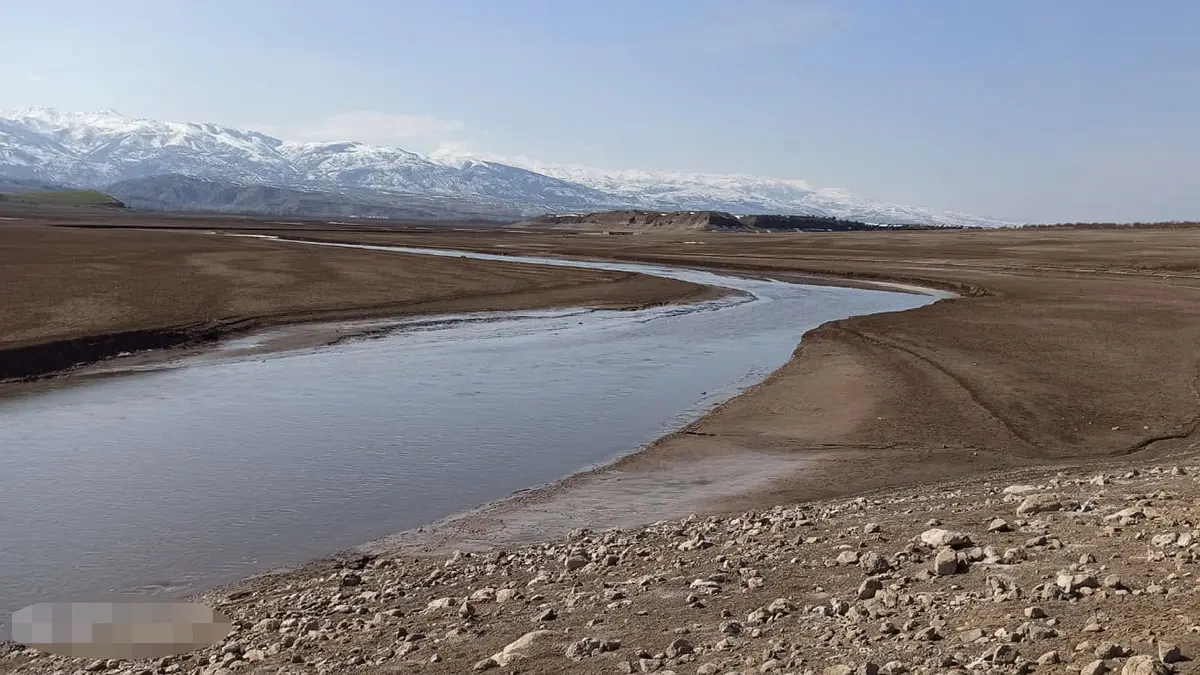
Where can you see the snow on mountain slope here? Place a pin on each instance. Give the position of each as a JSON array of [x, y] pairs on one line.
[[98, 149], [735, 193]]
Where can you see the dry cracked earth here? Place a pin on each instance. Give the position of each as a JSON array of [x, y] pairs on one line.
[[1071, 570]]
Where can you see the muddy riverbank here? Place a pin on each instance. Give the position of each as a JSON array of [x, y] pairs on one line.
[[75, 296]]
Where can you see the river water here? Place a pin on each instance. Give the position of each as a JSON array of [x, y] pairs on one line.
[[219, 466]]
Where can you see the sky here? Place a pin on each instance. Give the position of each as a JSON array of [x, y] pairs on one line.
[[1031, 110]]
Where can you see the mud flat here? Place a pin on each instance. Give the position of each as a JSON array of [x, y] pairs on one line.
[[74, 296]]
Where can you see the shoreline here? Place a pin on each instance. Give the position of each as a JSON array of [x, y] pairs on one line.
[[951, 394], [82, 359], [286, 337]]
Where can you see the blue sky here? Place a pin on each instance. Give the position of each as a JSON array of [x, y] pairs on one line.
[[1044, 110]]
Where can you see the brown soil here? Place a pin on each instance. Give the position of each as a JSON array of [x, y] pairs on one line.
[[71, 296]]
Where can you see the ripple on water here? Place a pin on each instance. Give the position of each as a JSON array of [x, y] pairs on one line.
[[221, 468]]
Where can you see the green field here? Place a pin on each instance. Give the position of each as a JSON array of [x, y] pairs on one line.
[[66, 197]]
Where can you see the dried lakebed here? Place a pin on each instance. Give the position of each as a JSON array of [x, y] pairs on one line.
[[219, 466]]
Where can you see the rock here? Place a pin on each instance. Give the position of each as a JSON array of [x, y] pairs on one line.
[[1096, 667], [679, 648], [999, 525], [847, 558], [971, 635], [1036, 632], [584, 648], [548, 615], [1003, 654], [945, 563], [1049, 659], [1109, 650], [929, 634], [523, 647], [867, 668], [1071, 583], [440, 604], [1039, 504], [483, 595], [1019, 489], [838, 670], [507, 594], [894, 668], [1163, 540], [1035, 613], [870, 528], [939, 538], [1144, 665], [486, 664], [780, 606], [351, 579], [730, 628], [1169, 652], [575, 562], [868, 588], [873, 563]]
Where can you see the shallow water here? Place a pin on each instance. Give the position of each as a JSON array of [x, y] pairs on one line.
[[219, 467]]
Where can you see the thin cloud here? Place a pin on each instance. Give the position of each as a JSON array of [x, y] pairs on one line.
[[35, 78], [371, 126]]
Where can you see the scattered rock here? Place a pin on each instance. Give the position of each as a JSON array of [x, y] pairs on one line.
[[1169, 652], [1144, 665], [1049, 659], [945, 562], [868, 588], [999, 525], [1039, 504], [873, 563], [939, 538]]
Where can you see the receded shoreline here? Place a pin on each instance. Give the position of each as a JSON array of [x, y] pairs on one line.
[[1068, 349], [85, 296]]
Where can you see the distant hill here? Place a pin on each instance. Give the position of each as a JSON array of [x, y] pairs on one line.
[[63, 198], [700, 221], [188, 193]]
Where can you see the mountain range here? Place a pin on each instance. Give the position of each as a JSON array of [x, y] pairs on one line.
[[200, 166]]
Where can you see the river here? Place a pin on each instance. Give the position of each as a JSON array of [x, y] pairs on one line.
[[219, 466]]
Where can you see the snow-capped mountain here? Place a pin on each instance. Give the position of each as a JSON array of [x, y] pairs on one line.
[[98, 149]]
